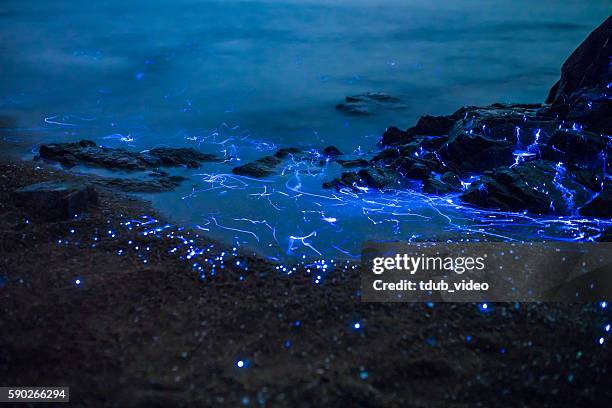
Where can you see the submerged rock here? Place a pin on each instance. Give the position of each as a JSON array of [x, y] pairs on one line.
[[368, 103], [56, 199], [87, 152], [268, 165], [332, 151], [540, 187], [264, 167]]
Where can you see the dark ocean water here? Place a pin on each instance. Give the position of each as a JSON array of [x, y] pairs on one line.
[[242, 78]]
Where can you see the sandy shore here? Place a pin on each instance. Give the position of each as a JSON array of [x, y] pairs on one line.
[[124, 320]]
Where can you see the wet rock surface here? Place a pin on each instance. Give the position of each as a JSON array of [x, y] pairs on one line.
[[543, 159], [152, 182], [583, 91], [540, 187], [56, 200], [268, 165], [369, 103], [89, 153], [143, 167]]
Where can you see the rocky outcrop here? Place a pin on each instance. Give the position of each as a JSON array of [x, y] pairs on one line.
[[588, 67], [539, 187], [544, 159], [88, 153], [581, 148], [56, 200], [426, 126], [369, 103], [268, 165], [583, 93]]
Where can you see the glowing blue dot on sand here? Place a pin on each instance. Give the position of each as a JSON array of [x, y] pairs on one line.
[[603, 305], [77, 282], [242, 364], [484, 307], [607, 327], [357, 325], [601, 340]]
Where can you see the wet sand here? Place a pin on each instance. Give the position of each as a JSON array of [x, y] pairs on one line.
[[121, 332]]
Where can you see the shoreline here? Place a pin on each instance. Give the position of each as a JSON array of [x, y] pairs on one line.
[[118, 330]]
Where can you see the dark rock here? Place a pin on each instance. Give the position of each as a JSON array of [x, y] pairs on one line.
[[426, 126], [434, 142], [577, 147], [154, 183], [56, 199], [176, 157], [87, 152], [540, 187], [600, 206], [266, 166], [433, 125], [353, 163], [592, 179], [368, 103], [374, 177], [394, 136], [588, 67], [413, 168], [378, 177], [451, 179], [346, 180], [432, 185], [593, 110], [286, 152], [386, 154], [332, 151], [433, 161], [467, 153]]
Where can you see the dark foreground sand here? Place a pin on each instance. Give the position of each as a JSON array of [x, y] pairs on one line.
[[153, 334]]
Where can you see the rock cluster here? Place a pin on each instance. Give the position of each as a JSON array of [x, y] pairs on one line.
[[86, 152], [89, 153], [548, 158]]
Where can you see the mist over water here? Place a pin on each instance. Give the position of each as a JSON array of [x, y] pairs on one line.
[[242, 78]]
